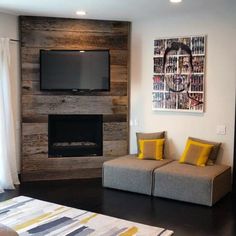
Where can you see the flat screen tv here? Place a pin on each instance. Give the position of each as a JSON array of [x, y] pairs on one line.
[[75, 70]]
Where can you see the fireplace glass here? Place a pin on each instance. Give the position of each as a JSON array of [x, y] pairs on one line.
[[75, 135]]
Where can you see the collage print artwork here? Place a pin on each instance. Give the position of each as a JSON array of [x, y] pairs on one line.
[[179, 74]]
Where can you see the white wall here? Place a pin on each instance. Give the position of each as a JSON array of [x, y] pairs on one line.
[[9, 29], [219, 26]]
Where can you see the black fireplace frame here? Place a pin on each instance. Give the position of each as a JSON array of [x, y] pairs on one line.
[[75, 151]]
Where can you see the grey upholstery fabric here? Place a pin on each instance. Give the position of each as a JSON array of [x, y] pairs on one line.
[[6, 231], [131, 174], [202, 185]]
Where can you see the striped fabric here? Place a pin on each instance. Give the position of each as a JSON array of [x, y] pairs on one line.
[[30, 216]]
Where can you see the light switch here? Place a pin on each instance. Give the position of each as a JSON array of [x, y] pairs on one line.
[[221, 129]]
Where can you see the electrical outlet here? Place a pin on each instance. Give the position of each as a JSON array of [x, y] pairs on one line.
[[135, 122]]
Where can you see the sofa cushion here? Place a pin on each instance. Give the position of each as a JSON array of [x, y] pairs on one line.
[[146, 136], [131, 174], [192, 183], [196, 153], [6, 231], [214, 152], [151, 149]]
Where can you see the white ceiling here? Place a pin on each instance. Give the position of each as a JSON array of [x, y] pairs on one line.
[[111, 9]]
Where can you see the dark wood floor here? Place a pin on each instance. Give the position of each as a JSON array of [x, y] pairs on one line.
[[184, 218]]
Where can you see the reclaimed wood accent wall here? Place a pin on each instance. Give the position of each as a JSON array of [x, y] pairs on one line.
[[78, 34]]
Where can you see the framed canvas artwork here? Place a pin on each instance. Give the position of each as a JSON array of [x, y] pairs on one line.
[[179, 74]]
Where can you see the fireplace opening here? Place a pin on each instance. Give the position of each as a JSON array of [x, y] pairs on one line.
[[75, 135]]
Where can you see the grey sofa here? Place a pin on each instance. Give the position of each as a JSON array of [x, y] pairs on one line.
[[131, 174], [168, 178], [184, 182]]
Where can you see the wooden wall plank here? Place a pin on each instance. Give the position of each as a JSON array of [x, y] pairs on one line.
[[119, 57], [115, 148], [64, 163], [118, 88], [119, 73], [34, 119], [37, 104], [44, 118], [29, 23], [67, 39], [115, 131], [62, 174], [34, 128], [115, 118]]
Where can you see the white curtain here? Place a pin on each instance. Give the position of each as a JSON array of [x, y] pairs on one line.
[[8, 169]]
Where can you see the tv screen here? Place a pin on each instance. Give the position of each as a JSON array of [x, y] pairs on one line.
[[74, 70]]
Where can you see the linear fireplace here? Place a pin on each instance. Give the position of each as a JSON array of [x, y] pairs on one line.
[[75, 135]]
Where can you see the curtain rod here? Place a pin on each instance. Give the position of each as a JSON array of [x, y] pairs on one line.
[[15, 40]]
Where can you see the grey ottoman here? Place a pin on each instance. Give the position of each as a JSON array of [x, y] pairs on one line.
[[201, 185], [131, 174]]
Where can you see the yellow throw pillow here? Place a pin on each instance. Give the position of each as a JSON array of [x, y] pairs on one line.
[[151, 149], [196, 153]]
